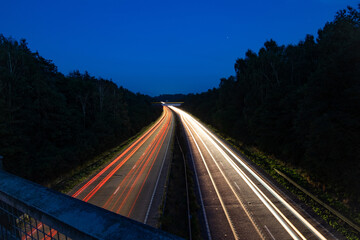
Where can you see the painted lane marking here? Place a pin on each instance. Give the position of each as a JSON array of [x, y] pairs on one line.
[[198, 185], [160, 140], [116, 190], [287, 205], [267, 229], [132, 174], [287, 225], [157, 181], [213, 183], [232, 189], [237, 186], [149, 132]]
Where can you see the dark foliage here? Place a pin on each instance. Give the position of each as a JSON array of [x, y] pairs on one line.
[[299, 102], [51, 123]]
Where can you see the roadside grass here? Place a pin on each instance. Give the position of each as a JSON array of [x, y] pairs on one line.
[[66, 183], [173, 217], [269, 163]]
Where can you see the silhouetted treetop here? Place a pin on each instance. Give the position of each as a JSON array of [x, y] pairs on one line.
[[51, 123], [299, 102]]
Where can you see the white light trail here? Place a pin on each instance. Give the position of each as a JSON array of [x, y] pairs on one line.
[[256, 190], [215, 187]]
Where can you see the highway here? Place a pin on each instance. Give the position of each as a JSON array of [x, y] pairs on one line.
[[236, 200], [132, 184]]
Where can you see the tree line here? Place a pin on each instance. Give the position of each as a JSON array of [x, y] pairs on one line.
[[51, 123], [300, 103]]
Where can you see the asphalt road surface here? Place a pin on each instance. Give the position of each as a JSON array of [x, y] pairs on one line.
[[132, 184], [237, 201]]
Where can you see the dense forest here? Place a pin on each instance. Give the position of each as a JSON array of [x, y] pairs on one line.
[[300, 103], [51, 123]]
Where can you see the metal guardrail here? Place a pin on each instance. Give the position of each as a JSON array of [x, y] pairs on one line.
[[31, 211], [333, 211], [15, 224]]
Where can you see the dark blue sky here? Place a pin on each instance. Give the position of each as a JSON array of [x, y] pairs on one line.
[[160, 46]]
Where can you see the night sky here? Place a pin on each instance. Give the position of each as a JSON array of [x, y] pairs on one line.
[[160, 46]]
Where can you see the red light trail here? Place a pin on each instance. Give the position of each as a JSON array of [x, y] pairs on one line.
[[130, 188]]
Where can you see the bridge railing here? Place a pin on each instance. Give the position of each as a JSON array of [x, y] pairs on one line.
[[31, 211]]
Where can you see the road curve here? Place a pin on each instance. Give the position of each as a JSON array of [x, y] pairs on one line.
[[238, 202], [132, 184]]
